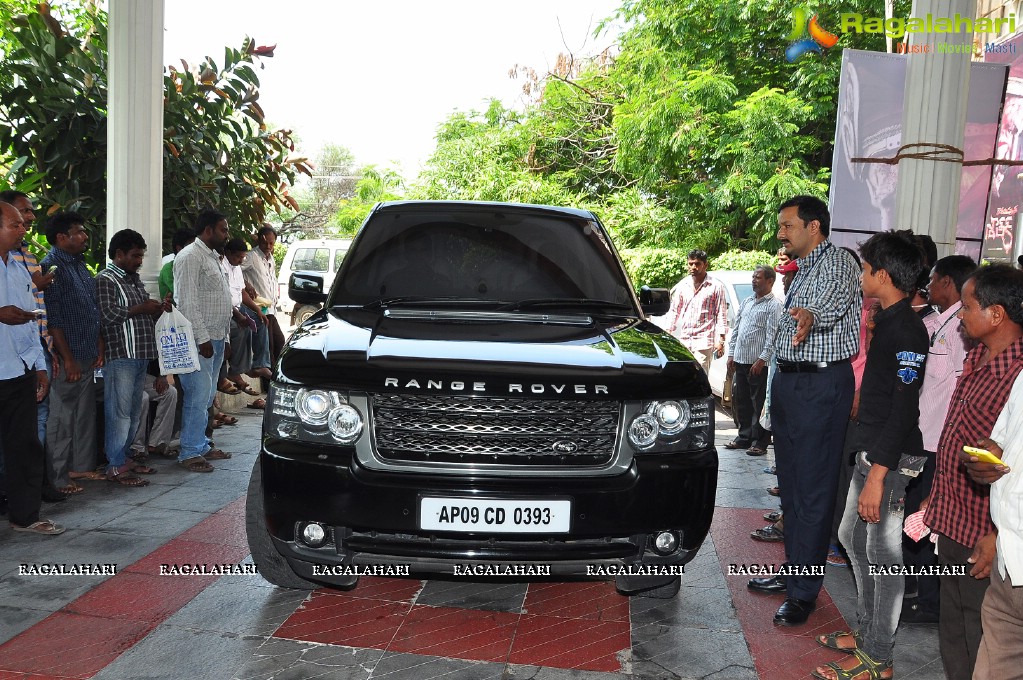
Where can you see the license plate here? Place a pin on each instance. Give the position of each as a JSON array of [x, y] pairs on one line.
[[495, 516]]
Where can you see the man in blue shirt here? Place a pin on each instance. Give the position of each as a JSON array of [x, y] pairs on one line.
[[23, 383], [74, 326]]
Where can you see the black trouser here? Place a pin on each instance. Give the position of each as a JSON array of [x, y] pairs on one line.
[[23, 454], [920, 554], [959, 627], [748, 395], [809, 416]]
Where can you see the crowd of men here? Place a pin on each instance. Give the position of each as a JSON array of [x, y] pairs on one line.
[[871, 378], [70, 340]]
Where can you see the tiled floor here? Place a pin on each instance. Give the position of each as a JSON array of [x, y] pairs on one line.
[[139, 624]]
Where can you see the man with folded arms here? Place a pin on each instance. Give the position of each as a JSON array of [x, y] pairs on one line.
[[811, 397]]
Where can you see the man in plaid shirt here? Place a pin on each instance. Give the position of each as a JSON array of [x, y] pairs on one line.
[[698, 311], [128, 316], [958, 509]]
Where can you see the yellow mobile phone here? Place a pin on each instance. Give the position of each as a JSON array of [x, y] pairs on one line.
[[984, 455]]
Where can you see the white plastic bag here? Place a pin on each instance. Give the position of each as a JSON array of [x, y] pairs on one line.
[[175, 343]]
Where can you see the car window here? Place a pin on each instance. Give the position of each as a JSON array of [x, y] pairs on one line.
[[339, 255], [311, 259], [485, 255], [743, 291]]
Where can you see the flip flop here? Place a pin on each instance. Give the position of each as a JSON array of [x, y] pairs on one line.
[[196, 464], [225, 419], [258, 404], [71, 489], [43, 526], [216, 454], [127, 479], [143, 469]]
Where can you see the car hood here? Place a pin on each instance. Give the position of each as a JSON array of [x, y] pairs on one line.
[[491, 354]]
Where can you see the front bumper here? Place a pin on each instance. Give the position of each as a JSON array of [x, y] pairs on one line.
[[374, 516]]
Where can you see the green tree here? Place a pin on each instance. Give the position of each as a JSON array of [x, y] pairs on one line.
[[217, 147]]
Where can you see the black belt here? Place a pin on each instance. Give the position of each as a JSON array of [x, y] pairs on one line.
[[808, 366]]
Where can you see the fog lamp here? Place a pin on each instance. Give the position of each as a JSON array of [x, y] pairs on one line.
[[314, 535], [665, 542]]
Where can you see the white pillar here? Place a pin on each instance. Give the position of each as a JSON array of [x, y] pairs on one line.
[[934, 112], [135, 126]]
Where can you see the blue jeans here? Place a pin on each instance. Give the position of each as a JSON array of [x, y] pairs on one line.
[[123, 381], [879, 595], [260, 341], [200, 387]]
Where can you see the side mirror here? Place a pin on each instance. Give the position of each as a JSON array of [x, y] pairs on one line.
[[655, 301], [306, 288]]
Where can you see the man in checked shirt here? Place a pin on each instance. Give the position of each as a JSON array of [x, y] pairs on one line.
[[958, 509], [811, 397], [698, 315]]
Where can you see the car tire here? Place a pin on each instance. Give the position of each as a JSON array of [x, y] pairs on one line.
[[271, 564], [303, 312]]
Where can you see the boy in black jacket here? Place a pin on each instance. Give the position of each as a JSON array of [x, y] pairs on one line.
[[889, 449]]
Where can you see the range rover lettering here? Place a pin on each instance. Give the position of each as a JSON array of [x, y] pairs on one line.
[[482, 390]]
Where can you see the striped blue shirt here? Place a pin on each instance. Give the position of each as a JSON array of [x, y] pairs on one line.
[[828, 285], [71, 303], [756, 323]]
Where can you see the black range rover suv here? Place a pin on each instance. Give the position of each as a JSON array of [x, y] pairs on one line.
[[482, 394]]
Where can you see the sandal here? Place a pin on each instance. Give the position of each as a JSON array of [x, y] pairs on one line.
[[866, 669], [227, 388], [140, 469], [247, 388], [756, 451], [257, 404], [216, 454], [831, 641], [196, 464], [127, 479], [43, 526], [225, 419], [138, 456], [71, 489], [95, 474]]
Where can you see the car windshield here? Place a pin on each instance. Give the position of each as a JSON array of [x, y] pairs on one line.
[[500, 256]]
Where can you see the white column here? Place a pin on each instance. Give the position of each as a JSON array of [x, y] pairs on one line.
[[135, 126], [934, 112]]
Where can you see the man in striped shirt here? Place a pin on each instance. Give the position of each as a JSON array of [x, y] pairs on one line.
[[128, 317], [750, 349], [698, 315], [811, 397]]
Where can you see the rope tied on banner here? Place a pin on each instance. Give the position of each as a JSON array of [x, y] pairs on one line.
[[945, 153]]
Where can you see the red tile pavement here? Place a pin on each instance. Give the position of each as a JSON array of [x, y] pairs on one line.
[[598, 600], [71, 645], [571, 643], [13, 675], [778, 652], [471, 634], [390, 589], [339, 619], [99, 626]]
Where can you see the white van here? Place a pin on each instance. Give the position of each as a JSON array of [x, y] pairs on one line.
[[322, 255]]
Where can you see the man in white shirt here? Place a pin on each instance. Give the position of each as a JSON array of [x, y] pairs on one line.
[[260, 272], [1001, 648]]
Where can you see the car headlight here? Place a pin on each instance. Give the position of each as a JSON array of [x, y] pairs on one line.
[[312, 415], [672, 425]]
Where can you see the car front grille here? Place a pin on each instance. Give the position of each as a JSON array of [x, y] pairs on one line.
[[481, 430]]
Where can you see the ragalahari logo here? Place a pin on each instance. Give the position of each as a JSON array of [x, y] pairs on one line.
[[818, 40]]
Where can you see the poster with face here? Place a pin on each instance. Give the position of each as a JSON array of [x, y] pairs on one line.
[[1003, 220], [870, 107]]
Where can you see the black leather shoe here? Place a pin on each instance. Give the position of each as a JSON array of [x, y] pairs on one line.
[[793, 612], [770, 584]]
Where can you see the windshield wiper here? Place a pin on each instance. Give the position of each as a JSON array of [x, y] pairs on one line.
[[424, 301], [580, 303]]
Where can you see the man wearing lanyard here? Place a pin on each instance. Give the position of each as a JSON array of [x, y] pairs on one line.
[[811, 398], [23, 383]]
